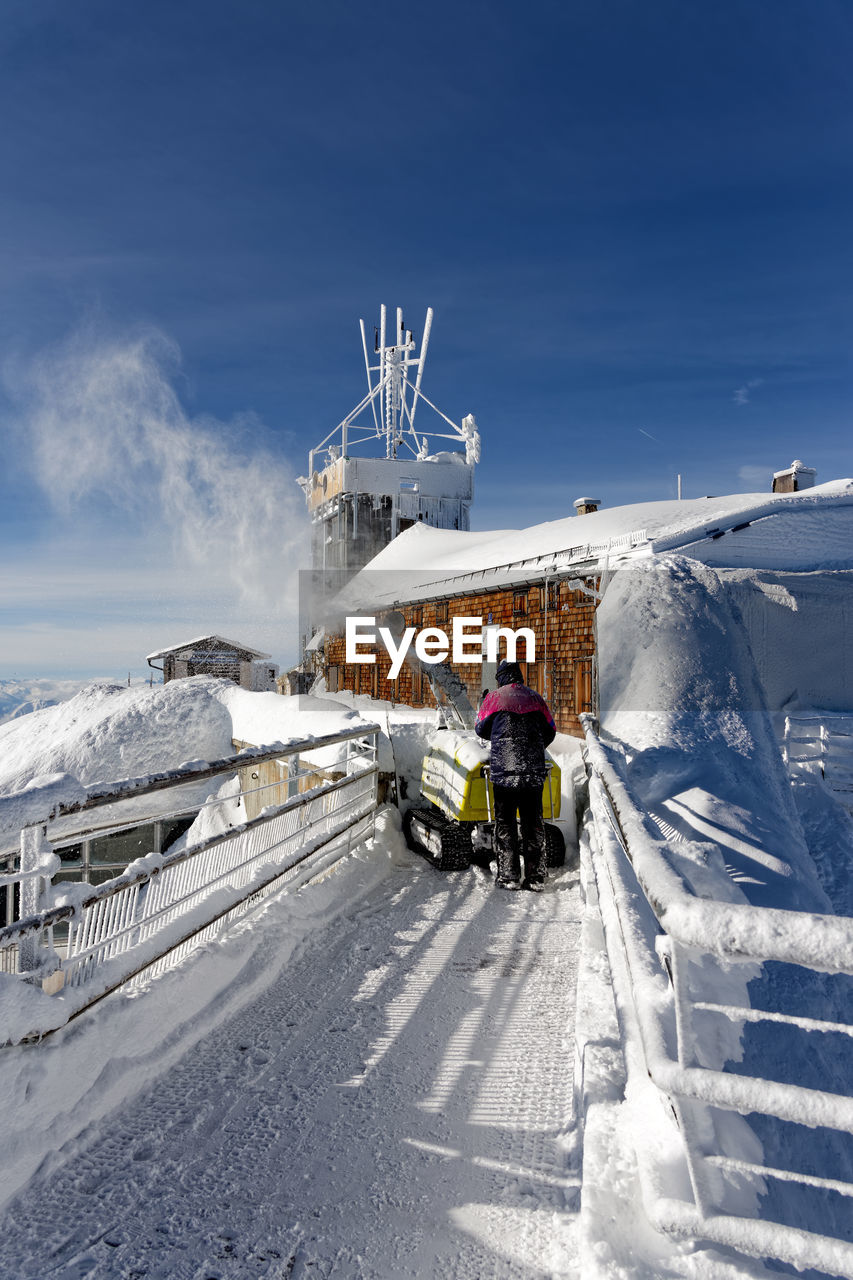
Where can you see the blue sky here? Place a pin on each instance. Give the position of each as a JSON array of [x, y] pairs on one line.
[[632, 220]]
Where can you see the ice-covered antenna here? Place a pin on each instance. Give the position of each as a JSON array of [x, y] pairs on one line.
[[367, 367], [421, 363], [394, 390]]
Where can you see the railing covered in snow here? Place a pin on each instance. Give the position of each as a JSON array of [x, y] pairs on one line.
[[658, 933], [822, 741], [165, 904]]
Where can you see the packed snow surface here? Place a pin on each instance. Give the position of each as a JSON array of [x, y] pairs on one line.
[[390, 1097]]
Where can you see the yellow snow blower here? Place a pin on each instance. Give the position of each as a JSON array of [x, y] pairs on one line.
[[456, 826]]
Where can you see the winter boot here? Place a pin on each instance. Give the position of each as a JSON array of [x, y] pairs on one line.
[[509, 868], [535, 883]]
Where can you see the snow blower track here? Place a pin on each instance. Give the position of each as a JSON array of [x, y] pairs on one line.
[[397, 1104]]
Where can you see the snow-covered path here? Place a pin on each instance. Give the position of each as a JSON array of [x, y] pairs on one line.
[[397, 1104]]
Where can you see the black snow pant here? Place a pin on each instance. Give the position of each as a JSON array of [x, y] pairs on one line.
[[527, 802]]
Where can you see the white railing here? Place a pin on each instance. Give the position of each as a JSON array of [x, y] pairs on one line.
[[164, 903], [656, 930], [822, 742]]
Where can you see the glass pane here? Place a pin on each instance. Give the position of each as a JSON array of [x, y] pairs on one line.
[[70, 853], [67, 877], [172, 828], [99, 875], [124, 846], [10, 903]]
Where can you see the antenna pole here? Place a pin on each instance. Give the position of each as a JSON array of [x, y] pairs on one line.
[[397, 390], [421, 362], [383, 394], [369, 383]]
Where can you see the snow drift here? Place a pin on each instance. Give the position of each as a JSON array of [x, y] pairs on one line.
[[680, 691]]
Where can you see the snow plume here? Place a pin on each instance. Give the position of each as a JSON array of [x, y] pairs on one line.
[[110, 437]]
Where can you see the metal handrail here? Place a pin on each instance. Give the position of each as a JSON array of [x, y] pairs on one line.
[[161, 903], [141, 875], [98, 795], [804, 938], [627, 842]]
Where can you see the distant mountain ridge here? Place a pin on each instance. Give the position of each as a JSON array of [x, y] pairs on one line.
[[20, 697]]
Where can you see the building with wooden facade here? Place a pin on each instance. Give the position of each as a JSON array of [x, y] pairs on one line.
[[216, 656], [561, 618], [548, 579]]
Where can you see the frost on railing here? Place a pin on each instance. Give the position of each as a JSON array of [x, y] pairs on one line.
[[821, 742], [165, 902], [678, 960]]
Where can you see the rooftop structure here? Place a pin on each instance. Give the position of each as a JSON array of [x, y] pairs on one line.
[[792, 479], [375, 474]]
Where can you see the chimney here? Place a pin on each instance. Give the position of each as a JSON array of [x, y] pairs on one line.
[[797, 476], [586, 506]]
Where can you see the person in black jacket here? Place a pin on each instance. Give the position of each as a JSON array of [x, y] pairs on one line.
[[520, 726]]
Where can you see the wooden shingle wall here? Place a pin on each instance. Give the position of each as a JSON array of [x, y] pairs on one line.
[[562, 672]]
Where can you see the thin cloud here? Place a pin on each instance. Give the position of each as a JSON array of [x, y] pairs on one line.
[[742, 394], [756, 479]]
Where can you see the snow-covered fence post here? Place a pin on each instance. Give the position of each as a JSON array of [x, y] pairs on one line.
[[38, 863], [693, 1118]]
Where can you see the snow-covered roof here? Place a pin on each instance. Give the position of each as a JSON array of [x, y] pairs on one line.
[[200, 640], [809, 529], [316, 641]]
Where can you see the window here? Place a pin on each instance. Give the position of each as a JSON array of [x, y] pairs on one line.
[[549, 595], [548, 683], [441, 611], [519, 603], [582, 685], [417, 617]]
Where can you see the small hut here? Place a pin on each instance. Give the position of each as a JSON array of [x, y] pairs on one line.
[[217, 656]]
